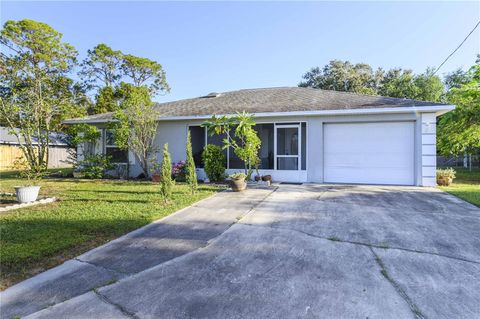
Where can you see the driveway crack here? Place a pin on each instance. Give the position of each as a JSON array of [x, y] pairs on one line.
[[413, 307], [335, 239], [120, 273], [117, 306]]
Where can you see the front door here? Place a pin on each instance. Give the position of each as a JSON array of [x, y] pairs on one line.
[[287, 147]]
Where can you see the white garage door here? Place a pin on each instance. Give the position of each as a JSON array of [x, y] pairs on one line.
[[369, 153]]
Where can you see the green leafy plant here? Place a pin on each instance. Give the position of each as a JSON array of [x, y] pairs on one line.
[[166, 182], [446, 172], [238, 175], [190, 170], [244, 141], [214, 162], [26, 173], [95, 166], [155, 167]]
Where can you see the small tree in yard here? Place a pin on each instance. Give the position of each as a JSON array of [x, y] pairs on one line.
[[166, 182], [191, 174], [34, 88], [136, 125], [244, 141]]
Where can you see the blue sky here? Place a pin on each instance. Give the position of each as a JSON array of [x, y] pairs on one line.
[[221, 46]]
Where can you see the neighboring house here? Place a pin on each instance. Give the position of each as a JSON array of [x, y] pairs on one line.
[[308, 135], [58, 153]]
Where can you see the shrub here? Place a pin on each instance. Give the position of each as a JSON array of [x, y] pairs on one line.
[[445, 176], [94, 166], [214, 162], [179, 171], [191, 174], [166, 182], [238, 176]]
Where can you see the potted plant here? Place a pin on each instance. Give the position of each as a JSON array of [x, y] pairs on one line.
[[179, 171], [156, 171], [29, 192], [267, 178], [445, 176], [237, 182]]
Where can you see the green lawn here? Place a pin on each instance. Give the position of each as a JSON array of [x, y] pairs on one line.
[[466, 185], [88, 214]]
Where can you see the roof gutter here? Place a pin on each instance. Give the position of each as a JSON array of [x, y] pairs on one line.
[[437, 109]]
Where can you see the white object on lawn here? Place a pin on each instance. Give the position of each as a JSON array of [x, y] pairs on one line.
[[27, 194]]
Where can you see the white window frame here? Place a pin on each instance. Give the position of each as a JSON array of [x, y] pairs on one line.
[[105, 146]]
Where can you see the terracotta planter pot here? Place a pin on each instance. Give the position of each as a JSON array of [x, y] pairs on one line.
[[156, 178], [238, 185], [444, 181], [27, 194], [267, 178]]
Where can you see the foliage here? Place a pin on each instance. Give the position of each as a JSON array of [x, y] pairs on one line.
[[136, 126], [466, 185], [459, 130], [155, 167], [190, 171], [361, 78], [108, 71], [101, 68], [145, 72], [166, 183], [95, 166], [179, 171], [214, 162], [244, 141], [22, 167], [38, 238], [238, 175], [36, 94], [343, 76], [446, 172]]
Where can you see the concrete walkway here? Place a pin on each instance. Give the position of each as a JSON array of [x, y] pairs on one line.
[[310, 251]]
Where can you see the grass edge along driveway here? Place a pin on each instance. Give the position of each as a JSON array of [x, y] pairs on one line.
[[466, 185], [88, 214]]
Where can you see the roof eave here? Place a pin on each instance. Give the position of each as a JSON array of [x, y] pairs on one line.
[[437, 109]]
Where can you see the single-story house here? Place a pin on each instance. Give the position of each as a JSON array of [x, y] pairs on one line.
[[308, 135], [59, 152]]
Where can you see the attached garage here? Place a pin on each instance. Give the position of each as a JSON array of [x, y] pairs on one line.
[[369, 153]]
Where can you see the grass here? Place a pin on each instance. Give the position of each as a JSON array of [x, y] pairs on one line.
[[466, 185], [88, 214]]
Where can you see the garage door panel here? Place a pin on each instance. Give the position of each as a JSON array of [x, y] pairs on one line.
[[370, 153]]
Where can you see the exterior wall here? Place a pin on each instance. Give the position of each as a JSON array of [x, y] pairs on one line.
[[429, 149], [175, 134]]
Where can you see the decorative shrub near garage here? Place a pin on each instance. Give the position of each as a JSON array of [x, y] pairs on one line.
[[445, 176], [214, 162]]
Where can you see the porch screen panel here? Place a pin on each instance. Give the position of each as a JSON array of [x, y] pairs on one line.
[[266, 152], [304, 146], [197, 134]]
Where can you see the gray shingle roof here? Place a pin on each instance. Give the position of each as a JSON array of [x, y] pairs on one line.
[[281, 99], [56, 139]]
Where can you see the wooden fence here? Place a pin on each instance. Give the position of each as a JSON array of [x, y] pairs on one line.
[[58, 157]]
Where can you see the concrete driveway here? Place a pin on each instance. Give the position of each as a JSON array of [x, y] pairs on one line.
[[309, 251]]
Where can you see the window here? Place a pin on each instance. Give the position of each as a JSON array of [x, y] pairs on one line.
[[117, 155], [197, 135]]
